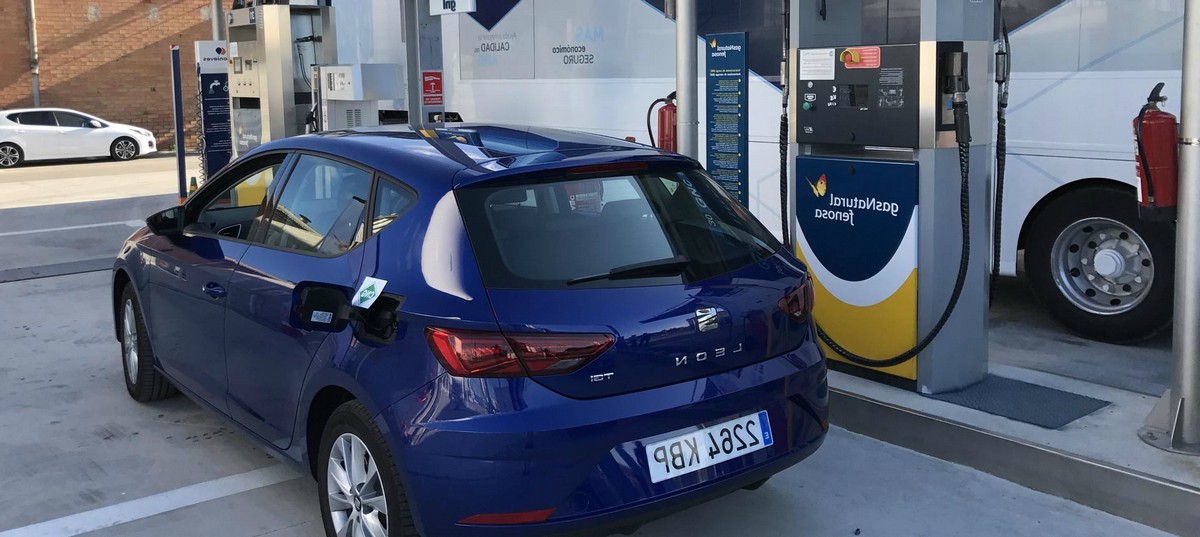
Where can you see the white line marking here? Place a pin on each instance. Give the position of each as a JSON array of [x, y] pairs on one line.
[[130, 223], [157, 504]]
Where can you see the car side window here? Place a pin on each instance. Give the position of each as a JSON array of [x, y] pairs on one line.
[[67, 119], [321, 209], [38, 119], [233, 212], [391, 202]]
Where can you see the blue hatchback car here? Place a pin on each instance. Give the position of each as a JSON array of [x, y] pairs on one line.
[[481, 330]]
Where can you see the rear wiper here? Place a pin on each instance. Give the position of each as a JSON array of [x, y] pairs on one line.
[[661, 267]]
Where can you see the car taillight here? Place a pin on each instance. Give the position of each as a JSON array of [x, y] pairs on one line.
[[474, 354], [553, 354], [799, 303], [467, 353]]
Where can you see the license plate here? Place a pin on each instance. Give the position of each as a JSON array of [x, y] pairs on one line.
[[708, 446]]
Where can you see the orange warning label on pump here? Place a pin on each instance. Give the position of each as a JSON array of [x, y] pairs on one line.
[[860, 58]]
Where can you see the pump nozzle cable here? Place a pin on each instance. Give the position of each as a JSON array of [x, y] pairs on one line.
[[1003, 75], [964, 164]]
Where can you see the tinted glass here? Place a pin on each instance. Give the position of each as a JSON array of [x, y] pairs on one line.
[[321, 208], [66, 119], [43, 119], [547, 234], [233, 212], [391, 201]]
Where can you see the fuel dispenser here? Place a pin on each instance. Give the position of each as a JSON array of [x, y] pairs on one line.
[[349, 96], [886, 207], [271, 49]]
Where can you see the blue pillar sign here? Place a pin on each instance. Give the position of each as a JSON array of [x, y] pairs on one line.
[[728, 109], [212, 68]]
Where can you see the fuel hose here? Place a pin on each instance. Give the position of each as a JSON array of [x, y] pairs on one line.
[[1003, 75], [962, 123], [964, 164]]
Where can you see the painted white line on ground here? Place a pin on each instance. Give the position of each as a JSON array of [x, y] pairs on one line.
[[157, 504], [130, 223]]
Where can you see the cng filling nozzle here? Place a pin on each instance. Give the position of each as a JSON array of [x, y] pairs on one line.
[[957, 85]]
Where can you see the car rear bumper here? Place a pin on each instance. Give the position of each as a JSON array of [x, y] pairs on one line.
[[471, 447]]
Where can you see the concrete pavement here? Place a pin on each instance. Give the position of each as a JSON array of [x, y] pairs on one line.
[[75, 442], [53, 183]]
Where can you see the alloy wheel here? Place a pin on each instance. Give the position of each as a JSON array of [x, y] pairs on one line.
[[1102, 266], [129, 340], [9, 156], [357, 502], [125, 149]]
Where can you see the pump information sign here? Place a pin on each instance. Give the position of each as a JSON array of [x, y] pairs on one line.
[[212, 69], [728, 106]]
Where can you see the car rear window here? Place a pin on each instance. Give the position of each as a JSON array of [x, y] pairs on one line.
[[551, 234]]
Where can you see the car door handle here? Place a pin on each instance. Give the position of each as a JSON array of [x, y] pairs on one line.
[[214, 290]]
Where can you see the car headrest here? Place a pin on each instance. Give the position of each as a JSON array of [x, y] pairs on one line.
[[625, 209], [512, 195]]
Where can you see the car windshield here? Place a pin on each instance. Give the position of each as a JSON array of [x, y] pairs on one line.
[[628, 230]]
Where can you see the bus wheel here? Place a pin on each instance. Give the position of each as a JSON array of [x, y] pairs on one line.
[[1101, 271]]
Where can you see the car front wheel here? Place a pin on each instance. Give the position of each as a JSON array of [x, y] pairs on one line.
[[1102, 271], [144, 382], [124, 149], [10, 156], [358, 484]]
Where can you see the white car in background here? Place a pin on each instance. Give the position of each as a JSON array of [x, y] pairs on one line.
[[57, 133]]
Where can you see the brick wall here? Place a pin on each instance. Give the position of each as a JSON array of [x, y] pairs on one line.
[[109, 58]]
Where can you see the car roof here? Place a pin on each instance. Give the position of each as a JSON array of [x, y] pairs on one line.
[[472, 153], [19, 110]]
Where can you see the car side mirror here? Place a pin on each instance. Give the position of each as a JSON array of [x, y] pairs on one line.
[[95, 124], [321, 308], [168, 222]]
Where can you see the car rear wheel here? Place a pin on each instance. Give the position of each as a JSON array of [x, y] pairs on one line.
[[10, 155], [124, 149], [1103, 272], [144, 382], [358, 485]]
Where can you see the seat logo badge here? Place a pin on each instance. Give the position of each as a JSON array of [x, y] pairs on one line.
[[706, 319]]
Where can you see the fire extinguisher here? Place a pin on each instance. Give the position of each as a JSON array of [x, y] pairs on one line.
[[1157, 135], [666, 123]]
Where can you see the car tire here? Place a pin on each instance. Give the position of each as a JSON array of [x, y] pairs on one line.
[[144, 382], [11, 155], [124, 148], [355, 497], [1099, 269]]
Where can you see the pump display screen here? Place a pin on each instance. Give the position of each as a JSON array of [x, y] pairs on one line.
[[853, 95]]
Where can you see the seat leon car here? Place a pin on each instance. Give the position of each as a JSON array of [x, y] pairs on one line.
[[57, 133], [480, 330]]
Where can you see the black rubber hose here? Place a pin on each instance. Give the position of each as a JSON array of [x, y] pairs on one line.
[[1003, 74], [650, 114], [783, 181], [964, 163], [784, 202]]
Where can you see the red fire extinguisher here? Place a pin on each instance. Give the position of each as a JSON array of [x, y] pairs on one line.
[[667, 130], [1157, 135]]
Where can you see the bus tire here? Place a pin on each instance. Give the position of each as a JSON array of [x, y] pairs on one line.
[[1099, 269]]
